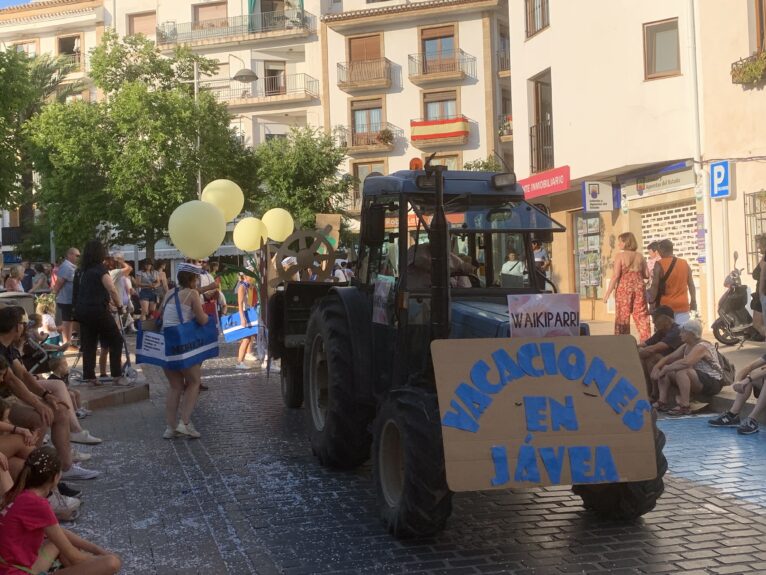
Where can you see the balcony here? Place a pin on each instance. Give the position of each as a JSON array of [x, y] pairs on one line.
[[377, 138], [504, 64], [74, 60], [438, 132], [11, 236], [427, 68], [505, 127], [364, 75], [541, 147], [750, 70], [266, 25], [292, 88]]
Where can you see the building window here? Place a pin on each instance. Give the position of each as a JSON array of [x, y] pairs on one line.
[[366, 121], [29, 48], [273, 6], [145, 23], [440, 105], [361, 171], [438, 47], [755, 226], [541, 132], [270, 137], [538, 17], [210, 15], [452, 161], [662, 54], [760, 25], [69, 47]]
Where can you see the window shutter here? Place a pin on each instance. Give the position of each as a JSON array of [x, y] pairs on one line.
[[439, 96], [365, 48], [145, 24], [440, 32], [210, 11], [366, 104]]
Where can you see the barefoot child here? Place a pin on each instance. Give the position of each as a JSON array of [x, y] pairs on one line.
[[32, 537]]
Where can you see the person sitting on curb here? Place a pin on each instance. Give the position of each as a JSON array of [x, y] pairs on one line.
[[692, 368], [35, 407], [749, 380], [33, 538], [666, 339]]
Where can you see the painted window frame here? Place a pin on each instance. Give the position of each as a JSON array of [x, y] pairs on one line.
[[647, 28]]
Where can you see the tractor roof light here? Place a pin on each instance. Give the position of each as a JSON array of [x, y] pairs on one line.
[[500, 181]]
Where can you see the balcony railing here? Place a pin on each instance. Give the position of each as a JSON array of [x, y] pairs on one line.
[[75, 60], [439, 131], [505, 127], [271, 87], [287, 20], [364, 73], [445, 63], [374, 137], [504, 61], [11, 236], [541, 147]]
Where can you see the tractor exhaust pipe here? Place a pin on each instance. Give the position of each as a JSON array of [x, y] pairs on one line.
[[440, 253]]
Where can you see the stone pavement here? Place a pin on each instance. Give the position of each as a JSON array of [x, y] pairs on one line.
[[250, 498]]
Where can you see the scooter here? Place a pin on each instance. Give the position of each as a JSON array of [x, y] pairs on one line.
[[734, 324]]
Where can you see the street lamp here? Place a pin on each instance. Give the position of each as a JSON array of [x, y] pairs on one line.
[[244, 75]]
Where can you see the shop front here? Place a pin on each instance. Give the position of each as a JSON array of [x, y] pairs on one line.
[[654, 205]]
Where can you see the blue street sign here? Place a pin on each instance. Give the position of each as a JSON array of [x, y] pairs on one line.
[[720, 180]]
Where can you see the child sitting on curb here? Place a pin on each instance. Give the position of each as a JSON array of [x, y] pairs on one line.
[[749, 380], [32, 537]]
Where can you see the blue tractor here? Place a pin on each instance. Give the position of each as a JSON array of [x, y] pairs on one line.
[[432, 265]]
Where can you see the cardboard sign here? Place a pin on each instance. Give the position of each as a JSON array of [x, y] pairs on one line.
[[544, 315], [528, 413]]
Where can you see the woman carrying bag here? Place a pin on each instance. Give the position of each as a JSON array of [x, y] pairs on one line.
[[182, 304]]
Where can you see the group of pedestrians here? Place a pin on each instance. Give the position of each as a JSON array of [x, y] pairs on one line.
[[27, 278]]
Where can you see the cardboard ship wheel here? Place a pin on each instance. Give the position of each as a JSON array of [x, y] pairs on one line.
[[300, 251]]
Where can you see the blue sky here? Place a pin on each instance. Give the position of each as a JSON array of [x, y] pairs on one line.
[[6, 3]]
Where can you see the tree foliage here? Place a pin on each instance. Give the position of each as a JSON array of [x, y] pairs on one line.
[[122, 166], [300, 173]]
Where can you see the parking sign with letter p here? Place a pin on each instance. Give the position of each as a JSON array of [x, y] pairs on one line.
[[720, 180]]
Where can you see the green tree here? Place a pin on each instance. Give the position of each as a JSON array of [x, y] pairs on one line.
[[491, 164], [300, 173], [135, 155]]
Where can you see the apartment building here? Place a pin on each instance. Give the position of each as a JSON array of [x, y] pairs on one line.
[[617, 125], [69, 28], [405, 80], [267, 51]]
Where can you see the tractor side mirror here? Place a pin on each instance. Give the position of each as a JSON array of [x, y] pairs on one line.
[[373, 230], [545, 237]]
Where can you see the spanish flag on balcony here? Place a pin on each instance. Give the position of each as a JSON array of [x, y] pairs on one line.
[[435, 129]]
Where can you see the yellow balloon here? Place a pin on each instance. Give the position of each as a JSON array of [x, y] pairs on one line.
[[226, 196], [197, 229], [280, 224], [249, 233]]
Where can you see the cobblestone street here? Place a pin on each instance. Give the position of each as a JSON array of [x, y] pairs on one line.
[[250, 498]]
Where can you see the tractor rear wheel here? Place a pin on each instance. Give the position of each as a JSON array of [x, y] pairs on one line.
[[408, 464], [291, 380], [627, 501], [337, 425]]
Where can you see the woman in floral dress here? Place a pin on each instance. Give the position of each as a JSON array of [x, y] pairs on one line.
[[629, 279]]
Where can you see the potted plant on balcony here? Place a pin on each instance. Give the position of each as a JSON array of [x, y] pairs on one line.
[[749, 70], [386, 137]]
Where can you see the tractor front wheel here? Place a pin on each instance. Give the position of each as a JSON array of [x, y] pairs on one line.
[[408, 464], [630, 500], [337, 425]]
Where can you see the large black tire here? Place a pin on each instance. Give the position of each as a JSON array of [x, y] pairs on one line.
[[291, 380], [408, 464], [630, 500], [337, 424], [723, 335]]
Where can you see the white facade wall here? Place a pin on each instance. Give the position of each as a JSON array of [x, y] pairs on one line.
[[605, 114]]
